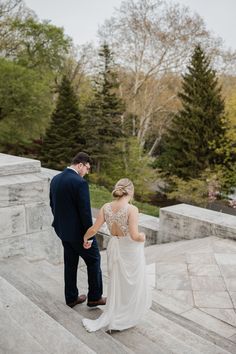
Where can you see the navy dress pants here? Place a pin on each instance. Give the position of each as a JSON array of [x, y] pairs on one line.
[[92, 259]]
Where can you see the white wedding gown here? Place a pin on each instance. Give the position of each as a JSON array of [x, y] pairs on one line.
[[128, 294]]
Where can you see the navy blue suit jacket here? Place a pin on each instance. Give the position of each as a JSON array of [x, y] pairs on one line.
[[70, 204]]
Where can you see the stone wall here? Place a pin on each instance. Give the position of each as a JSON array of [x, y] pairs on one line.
[[183, 221], [25, 216]]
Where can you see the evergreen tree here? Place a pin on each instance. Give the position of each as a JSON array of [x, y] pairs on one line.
[[197, 138], [63, 137], [103, 114]]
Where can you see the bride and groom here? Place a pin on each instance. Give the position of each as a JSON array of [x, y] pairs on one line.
[[128, 297]]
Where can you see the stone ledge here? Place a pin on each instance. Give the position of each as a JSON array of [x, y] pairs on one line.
[[185, 221], [14, 165], [22, 189]]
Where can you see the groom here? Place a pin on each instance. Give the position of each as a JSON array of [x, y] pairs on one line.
[[70, 204]]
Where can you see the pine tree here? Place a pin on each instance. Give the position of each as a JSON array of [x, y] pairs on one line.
[[197, 138], [103, 114], [63, 137]]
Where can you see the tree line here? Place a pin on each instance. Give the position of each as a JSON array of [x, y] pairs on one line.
[[147, 104]]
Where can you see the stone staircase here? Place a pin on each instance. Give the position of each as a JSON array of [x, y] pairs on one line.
[[34, 318]]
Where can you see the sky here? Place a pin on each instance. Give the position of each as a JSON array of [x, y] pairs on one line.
[[81, 18]]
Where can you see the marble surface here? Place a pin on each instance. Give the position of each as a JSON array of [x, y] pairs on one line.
[[37, 323], [186, 278], [200, 274], [25, 215], [22, 189], [12, 165], [12, 221], [210, 322], [185, 221]]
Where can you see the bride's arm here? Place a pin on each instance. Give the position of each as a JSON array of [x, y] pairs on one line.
[[95, 227], [133, 225]]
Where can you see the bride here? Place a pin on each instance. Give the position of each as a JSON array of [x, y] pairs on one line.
[[128, 296]]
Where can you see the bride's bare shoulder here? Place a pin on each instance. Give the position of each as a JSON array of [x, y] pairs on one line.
[[133, 209]]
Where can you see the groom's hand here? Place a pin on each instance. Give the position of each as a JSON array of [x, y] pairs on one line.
[[87, 244]]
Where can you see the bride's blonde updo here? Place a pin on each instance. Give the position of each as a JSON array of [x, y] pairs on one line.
[[123, 187]]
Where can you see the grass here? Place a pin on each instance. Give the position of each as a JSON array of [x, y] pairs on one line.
[[100, 195]]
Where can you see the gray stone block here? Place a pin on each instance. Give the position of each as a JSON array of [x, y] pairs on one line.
[[12, 221], [43, 245], [14, 165], [184, 221], [150, 226], [38, 217], [23, 189], [12, 246]]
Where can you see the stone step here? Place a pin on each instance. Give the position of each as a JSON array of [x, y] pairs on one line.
[[136, 338], [31, 318], [14, 338], [167, 303], [187, 334], [148, 334], [46, 274], [174, 310], [49, 298]]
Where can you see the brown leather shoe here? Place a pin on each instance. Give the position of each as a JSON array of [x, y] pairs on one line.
[[99, 302], [80, 299]]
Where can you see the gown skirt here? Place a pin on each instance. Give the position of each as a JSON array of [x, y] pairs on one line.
[[128, 294]]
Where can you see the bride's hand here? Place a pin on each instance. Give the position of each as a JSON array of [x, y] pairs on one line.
[[87, 244], [142, 236]]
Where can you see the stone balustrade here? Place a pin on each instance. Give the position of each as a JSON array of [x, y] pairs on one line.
[[25, 215], [183, 221]]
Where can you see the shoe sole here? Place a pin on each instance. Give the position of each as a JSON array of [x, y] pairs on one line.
[[95, 305]]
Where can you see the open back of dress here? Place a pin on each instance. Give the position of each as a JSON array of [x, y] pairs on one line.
[[117, 221]]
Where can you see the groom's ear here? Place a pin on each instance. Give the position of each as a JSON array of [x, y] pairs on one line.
[[78, 165]]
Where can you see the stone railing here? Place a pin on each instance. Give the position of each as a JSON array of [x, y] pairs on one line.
[[25, 215], [183, 221]]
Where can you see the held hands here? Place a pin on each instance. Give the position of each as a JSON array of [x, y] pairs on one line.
[[87, 244], [142, 237]]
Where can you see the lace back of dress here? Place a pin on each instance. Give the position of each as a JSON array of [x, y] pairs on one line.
[[117, 220]]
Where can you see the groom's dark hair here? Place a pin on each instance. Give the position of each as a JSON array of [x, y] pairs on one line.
[[81, 157]]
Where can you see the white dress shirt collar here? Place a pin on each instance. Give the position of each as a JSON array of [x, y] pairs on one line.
[[71, 168]]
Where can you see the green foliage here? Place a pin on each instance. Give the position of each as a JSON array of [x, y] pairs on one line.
[[25, 105], [101, 195], [209, 186], [139, 169], [39, 45], [193, 191], [197, 137], [63, 137], [131, 163], [103, 114], [231, 108]]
